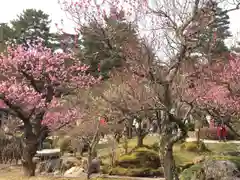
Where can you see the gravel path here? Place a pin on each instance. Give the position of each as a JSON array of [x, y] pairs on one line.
[[212, 141]]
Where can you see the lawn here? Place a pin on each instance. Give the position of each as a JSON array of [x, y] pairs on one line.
[[181, 157]]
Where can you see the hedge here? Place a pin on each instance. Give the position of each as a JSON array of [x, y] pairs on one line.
[[211, 134]]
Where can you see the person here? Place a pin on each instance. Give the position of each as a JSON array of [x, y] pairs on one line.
[[221, 132], [224, 133]]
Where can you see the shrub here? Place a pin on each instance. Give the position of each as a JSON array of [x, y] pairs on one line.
[[194, 146], [189, 173], [190, 126], [139, 158], [136, 172], [65, 145], [211, 133], [155, 146], [140, 162]]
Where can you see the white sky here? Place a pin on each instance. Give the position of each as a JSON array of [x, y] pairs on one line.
[[10, 8]]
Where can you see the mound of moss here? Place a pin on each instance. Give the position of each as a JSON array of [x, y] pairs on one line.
[[194, 146], [141, 157], [141, 162]]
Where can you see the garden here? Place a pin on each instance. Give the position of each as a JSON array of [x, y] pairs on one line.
[[118, 101]]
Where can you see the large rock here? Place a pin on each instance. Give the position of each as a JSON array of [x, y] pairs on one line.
[[217, 169], [61, 164], [95, 165], [68, 162], [49, 166], [75, 171]]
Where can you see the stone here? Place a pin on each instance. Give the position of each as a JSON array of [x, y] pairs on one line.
[[218, 169], [48, 153], [41, 167], [75, 171], [53, 165], [57, 173], [36, 160], [95, 165], [68, 162], [49, 166]]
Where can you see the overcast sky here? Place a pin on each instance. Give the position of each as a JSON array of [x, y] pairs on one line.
[[10, 8]]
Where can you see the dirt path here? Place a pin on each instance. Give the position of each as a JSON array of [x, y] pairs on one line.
[[132, 178], [7, 170]]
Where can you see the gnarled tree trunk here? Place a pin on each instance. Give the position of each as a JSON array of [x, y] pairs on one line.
[[169, 164], [30, 145], [140, 138]]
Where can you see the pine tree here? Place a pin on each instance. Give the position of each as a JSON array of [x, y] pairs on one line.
[[32, 25], [212, 39], [101, 45]]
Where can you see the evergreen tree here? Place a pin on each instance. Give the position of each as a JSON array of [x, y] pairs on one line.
[[6, 35], [101, 45], [212, 39], [32, 25]]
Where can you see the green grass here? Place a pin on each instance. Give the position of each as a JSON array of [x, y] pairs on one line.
[[181, 157], [223, 147]]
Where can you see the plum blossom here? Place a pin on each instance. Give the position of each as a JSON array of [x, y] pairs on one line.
[[216, 86], [34, 80]]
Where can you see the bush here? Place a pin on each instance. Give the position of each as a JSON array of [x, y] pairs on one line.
[[211, 134], [139, 158], [188, 174], [141, 162], [194, 146], [190, 126], [65, 145], [155, 146], [136, 172]]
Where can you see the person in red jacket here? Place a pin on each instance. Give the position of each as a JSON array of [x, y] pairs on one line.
[[221, 132], [224, 132]]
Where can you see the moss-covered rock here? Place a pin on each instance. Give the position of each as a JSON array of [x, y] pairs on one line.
[[194, 146], [213, 167], [140, 158]]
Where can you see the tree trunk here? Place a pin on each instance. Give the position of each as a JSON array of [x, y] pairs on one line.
[[89, 163], [169, 164], [198, 136], [29, 151], [30, 145], [130, 132], [130, 129], [140, 140]]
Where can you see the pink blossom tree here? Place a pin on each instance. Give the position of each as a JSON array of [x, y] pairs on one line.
[[33, 83], [215, 88]]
